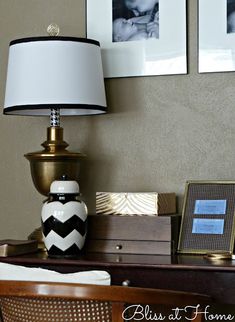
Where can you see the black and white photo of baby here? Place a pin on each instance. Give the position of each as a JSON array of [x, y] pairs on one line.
[[135, 20]]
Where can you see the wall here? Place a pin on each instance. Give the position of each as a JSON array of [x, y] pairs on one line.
[[159, 132]]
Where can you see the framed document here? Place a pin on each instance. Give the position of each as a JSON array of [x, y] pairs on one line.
[[216, 36], [208, 218], [139, 38]]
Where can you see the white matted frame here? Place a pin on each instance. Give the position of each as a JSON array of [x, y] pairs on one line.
[[163, 56], [216, 44]]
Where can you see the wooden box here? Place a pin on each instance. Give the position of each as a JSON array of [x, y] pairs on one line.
[[156, 235], [135, 203]]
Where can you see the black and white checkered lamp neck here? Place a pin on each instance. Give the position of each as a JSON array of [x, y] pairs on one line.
[[58, 73]]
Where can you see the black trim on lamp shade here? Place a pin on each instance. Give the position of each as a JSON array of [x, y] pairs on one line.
[[55, 38], [58, 64], [32, 109]]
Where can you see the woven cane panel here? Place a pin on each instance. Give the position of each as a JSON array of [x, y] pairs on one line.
[[208, 241], [54, 310]]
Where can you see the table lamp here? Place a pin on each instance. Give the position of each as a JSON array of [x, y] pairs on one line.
[[54, 76]]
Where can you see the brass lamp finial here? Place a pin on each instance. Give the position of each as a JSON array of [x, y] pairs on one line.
[[53, 29]]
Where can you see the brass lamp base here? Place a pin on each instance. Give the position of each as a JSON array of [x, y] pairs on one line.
[[54, 161]]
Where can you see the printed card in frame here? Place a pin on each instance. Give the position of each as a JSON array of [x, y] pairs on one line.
[[208, 218], [156, 44], [216, 43]]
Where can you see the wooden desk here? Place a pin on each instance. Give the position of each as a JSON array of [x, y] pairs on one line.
[[185, 273]]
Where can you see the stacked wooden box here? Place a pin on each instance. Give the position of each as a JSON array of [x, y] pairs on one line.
[[116, 229], [133, 235]]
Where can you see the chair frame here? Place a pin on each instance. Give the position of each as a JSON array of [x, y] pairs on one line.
[[117, 295]]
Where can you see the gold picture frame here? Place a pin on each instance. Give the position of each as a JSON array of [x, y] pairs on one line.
[[208, 217]]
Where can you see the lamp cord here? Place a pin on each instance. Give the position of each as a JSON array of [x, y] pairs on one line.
[[55, 117]]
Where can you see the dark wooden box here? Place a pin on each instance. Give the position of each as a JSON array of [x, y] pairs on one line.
[[157, 235]]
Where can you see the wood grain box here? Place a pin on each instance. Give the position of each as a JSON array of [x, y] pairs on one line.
[[135, 203], [133, 234]]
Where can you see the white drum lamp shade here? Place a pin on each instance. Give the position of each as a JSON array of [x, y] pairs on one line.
[[55, 72]]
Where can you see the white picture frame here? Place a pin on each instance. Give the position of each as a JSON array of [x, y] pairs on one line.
[[216, 44], [165, 55]]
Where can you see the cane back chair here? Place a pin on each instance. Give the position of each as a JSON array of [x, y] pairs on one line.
[[64, 302]]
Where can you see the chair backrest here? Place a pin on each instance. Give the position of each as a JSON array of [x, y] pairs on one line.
[[62, 302]]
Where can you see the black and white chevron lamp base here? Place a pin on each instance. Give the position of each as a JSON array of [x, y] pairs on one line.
[[64, 227]]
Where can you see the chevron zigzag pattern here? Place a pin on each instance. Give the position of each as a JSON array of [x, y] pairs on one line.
[[64, 243], [64, 211], [72, 251], [64, 228]]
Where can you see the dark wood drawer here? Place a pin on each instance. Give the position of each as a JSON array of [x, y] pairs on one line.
[[129, 247], [157, 235]]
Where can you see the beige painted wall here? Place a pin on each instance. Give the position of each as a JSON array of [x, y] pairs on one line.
[[159, 132]]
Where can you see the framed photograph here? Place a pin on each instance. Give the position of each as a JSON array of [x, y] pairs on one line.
[[139, 37], [208, 217], [216, 36]]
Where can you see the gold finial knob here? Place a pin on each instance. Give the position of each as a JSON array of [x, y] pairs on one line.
[[53, 29]]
